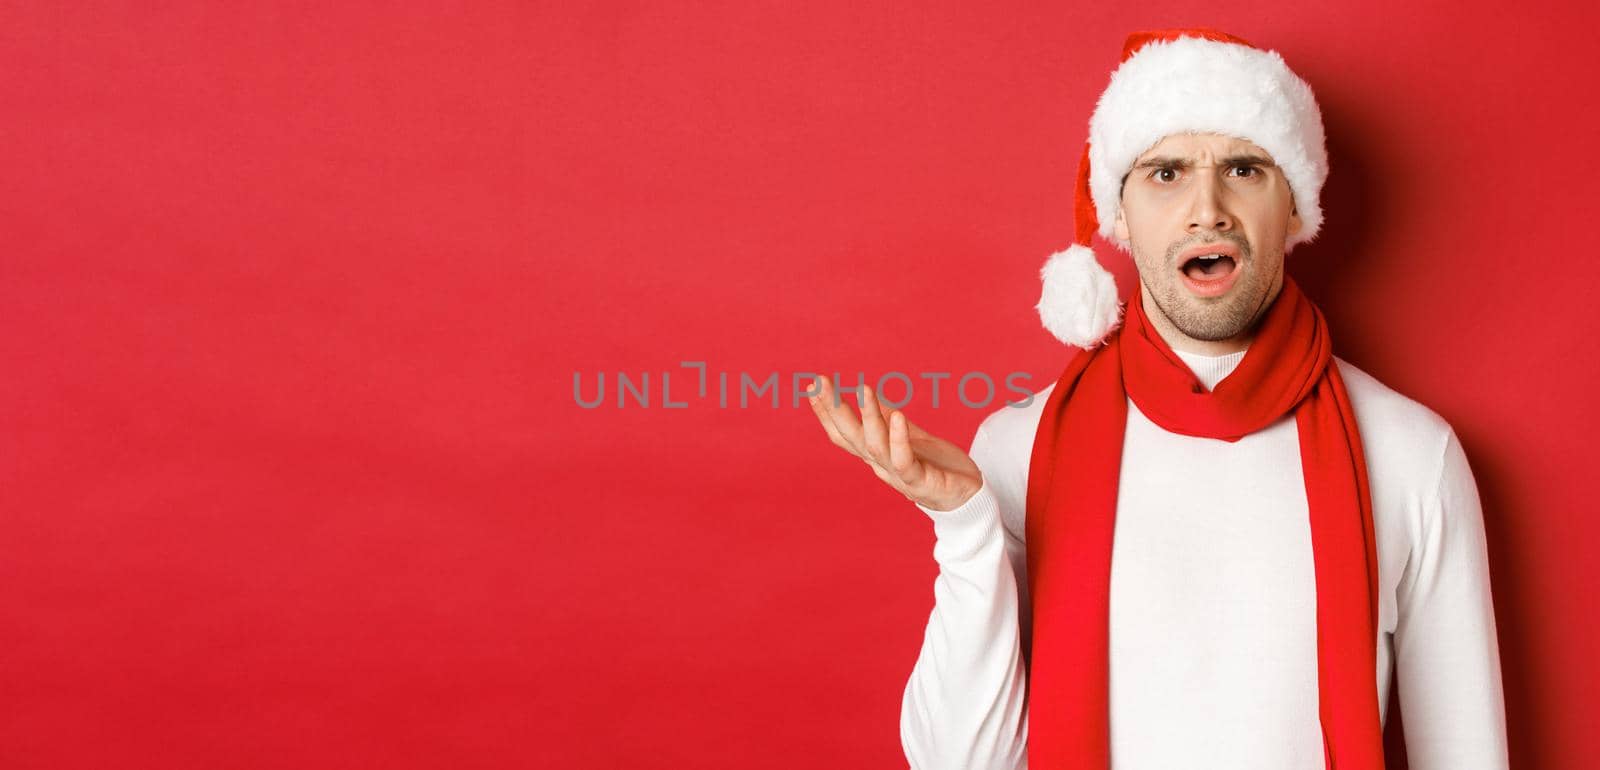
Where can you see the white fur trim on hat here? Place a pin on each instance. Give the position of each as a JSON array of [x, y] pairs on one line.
[[1192, 84], [1079, 303]]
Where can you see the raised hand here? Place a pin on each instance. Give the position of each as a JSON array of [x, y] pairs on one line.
[[928, 470]]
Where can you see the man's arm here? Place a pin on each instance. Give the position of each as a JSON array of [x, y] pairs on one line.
[[965, 704], [1447, 656]]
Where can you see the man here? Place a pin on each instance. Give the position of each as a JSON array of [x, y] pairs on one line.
[[1211, 543]]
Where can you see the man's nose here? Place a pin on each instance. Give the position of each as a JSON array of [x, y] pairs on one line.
[[1207, 209]]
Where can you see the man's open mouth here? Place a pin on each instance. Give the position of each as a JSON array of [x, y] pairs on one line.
[[1208, 267]]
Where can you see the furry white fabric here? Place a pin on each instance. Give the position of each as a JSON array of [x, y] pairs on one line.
[[1195, 85], [1079, 303]]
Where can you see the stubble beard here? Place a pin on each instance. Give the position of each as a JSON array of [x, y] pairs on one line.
[[1211, 318]]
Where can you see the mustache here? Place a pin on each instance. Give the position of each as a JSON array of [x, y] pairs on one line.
[[1234, 238]]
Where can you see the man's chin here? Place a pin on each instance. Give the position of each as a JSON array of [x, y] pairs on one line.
[[1212, 319]]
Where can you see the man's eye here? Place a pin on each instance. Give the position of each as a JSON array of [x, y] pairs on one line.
[[1166, 174], [1246, 171]]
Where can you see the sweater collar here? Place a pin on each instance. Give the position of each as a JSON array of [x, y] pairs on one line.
[[1211, 370]]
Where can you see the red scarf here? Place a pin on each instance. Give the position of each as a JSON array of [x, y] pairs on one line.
[[1071, 515]]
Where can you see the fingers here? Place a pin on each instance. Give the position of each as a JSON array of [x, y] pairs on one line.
[[902, 460], [882, 437], [840, 417], [874, 432], [867, 438], [821, 411]]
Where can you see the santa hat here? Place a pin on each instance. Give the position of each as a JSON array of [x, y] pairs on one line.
[[1170, 82]]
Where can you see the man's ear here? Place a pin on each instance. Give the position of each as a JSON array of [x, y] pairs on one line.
[[1121, 226], [1295, 222]]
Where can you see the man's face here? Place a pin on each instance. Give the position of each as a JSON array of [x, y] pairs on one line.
[[1194, 195]]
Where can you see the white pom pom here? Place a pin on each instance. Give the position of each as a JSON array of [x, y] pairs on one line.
[[1079, 304]]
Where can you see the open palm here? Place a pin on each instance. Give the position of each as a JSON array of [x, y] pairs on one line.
[[928, 470]]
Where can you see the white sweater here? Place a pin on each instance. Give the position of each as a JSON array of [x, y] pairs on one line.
[[1213, 598]]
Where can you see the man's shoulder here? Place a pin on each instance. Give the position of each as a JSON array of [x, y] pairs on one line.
[[1386, 406], [1016, 423], [1398, 432]]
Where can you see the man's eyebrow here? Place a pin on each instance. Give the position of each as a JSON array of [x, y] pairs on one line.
[[1242, 159]]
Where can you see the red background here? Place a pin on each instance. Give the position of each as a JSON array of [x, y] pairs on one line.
[[292, 474]]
